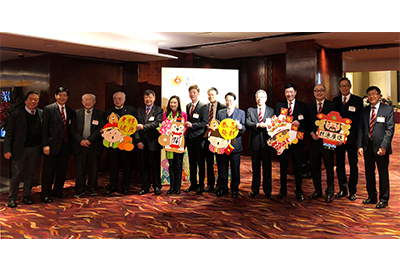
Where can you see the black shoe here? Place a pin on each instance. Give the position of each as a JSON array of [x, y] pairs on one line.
[[329, 199], [12, 203], [191, 188], [268, 196], [142, 192], [93, 192], [47, 200], [125, 191], [170, 191], [209, 189], [178, 191], [216, 189], [60, 195], [199, 191], [281, 196], [221, 192], [78, 194], [341, 194], [234, 194], [381, 204], [157, 191], [352, 197], [369, 201], [315, 195], [253, 194], [300, 198], [111, 191], [27, 200]]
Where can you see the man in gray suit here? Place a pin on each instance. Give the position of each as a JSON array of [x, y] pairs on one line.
[[22, 145], [374, 139], [87, 145], [260, 151]]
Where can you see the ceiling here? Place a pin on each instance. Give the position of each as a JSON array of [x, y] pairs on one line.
[[218, 45]]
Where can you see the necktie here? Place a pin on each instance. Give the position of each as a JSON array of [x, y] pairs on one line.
[[65, 134], [191, 110], [88, 111], [260, 117], [229, 113], [344, 100], [147, 110], [210, 116], [290, 108], [371, 123], [319, 107], [32, 112]]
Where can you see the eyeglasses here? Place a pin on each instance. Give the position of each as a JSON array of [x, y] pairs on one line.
[[344, 85], [319, 91]]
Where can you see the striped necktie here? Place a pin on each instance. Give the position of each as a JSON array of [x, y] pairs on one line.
[[210, 116], [344, 100], [65, 133], [290, 108], [191, 111], [260, 117], [319, 107], [372, 122]]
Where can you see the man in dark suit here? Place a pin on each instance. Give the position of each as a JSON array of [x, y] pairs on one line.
[[22, 145], [318, 151], [299, 111], [349, 106], [213, 107], [196, 127], [87, 145], [260, 151], [223, 160], [117, 156], [56, 141], [374, 138], [146, 136]]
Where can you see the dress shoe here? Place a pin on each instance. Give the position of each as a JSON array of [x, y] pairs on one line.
[[234, 194], [157, 191], [216, 189], [268, 196], [27, 200], [59, 195], [111, 191], [125, 191], [221, 192], [93, 192], [79, 194], [142, 192], [191, 188], [329, 199], [369, 201], [178, 191], [281, 196], [47, 200], [209, 189], [12, 203], [253, 194], [199, 191], [352, 197], [315, 195], [381, 204], [341, 194], [170, 191], [300, 198]]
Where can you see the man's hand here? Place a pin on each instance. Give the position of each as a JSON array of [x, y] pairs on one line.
[[296, 123], [84, 143], [139, 127], [314, 136], [7, 155], [381, 151], [360, 152], [46, 150], [262, 125], [188, 124]]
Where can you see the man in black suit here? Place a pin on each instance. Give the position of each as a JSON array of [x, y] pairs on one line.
[[374, 138], [299, 111], [56, 141], [146, 136], [196, 127], [213, 107], [117, 156], [349, 106], [260, 151], [22, 145], [318, 151], [87, 145]]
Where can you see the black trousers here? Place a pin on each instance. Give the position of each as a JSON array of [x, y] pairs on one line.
[[86, 161], [55, 170], [210, 158], [223, 162], [373, 160], [352, 157], [175, 171], [259, 158], [296, 152], [117, 157], [318, 153], [146, 158], [196, 158]]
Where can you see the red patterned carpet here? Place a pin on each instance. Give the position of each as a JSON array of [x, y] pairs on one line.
[[188, 216]]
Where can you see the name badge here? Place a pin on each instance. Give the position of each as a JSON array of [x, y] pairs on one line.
[[301, 117], [196, 115], [352, 109], [95, 122], [151, 118], [380, 119]]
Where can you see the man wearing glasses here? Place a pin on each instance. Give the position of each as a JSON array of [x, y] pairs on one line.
[[349, 106]]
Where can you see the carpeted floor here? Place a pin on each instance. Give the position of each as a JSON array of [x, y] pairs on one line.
[[187, 216]]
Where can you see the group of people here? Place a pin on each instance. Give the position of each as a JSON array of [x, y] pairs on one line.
[[58, 128]]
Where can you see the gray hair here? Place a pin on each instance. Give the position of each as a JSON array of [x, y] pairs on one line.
[[89, 94], [118, 93], [262, 92]]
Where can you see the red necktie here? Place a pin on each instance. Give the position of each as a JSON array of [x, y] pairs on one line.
[[344, 100], [191, 110], [88, 111], [260, 116], [372, 122], [290, 108], [32, 112], [319, 107], [147, 110], [65, 134], [210, 116]]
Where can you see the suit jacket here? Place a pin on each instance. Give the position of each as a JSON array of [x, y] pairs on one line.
[[382, 131], [199, 121], [313, 111], [16, 131], [300, 113], [237, 114], [96, 124], [150, 123], [258, 136], [53, 126], [126, 109], [219, 107], [352, 110]]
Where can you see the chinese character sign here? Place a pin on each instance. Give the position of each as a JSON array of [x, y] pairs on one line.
[[116, 132], [332, 129], [172, 135], [220, 143]]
